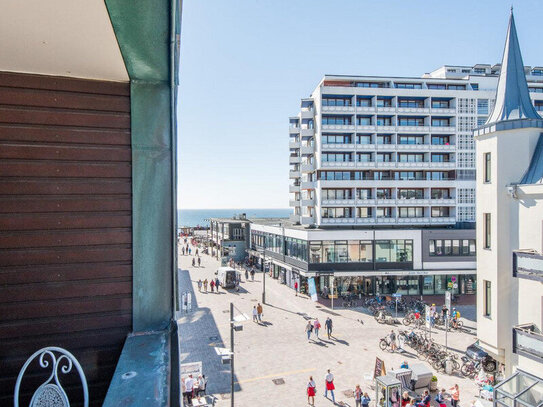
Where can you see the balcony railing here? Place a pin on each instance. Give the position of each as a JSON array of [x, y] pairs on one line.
[[528, 265], [528, 341]]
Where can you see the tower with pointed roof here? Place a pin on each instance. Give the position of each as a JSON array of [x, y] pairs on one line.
[[509, 201]]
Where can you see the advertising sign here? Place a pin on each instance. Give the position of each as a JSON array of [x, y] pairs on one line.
[[448, 299], [312, 288], [427, 316], [380, 369]]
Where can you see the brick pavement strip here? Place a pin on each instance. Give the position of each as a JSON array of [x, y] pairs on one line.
[[279, 348]]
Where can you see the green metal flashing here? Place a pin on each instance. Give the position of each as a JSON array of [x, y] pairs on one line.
[[142, 28], [142, 377]]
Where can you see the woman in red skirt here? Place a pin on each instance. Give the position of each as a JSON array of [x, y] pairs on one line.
[[311, 390]]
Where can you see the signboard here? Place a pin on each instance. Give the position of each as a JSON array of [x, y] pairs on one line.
[[193, 368], [380, 369], [312, 288], [224, 261], [427, 316], [396, 295], [448, 299]]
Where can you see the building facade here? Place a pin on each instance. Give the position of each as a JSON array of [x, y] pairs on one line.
[[229, 237], [395, 151], [368, 262], [510, 234]]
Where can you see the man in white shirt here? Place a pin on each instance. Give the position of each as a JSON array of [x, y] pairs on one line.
[[329, 385], [189, 386]]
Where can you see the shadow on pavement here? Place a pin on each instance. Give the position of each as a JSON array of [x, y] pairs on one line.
[[198, 337]]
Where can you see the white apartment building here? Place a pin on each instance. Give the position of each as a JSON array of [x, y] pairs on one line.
[[392, 151], [509, 239]]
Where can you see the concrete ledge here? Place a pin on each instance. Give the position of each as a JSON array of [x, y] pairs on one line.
[[143, 373]]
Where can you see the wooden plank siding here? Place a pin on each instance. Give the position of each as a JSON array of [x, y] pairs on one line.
[[65, 226]]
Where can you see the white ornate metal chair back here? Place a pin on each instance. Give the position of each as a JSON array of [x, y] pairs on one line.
[[51, 393]]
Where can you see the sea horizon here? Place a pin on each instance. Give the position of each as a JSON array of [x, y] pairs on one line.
[[200, 217]]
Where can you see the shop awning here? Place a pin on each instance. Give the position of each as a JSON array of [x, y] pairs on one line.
[[521, 389]]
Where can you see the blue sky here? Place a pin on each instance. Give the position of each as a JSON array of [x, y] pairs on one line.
[[245, 64]]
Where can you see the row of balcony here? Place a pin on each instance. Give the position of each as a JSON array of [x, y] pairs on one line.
[[388, 202], [388, 221], [389, 164], [303, 132], [387, 109], [403, 129], [390, 147]]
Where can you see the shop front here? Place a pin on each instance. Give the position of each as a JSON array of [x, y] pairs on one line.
[[405, 284]]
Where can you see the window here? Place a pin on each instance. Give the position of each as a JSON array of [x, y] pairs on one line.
[[363, 101], [437, 86], [337, 212], [381, 175], [384, 193], [384, 102], [410, 121], [336, 120], [337, 157], [488, 299], [487, 167], [405, 139], [409, 175], [363, 139], [364, 212], [440, 122], [441, 158], [363, 193], [410, 157], [383, 212], [364, 157], [363, 120], [440, 103], [336, 193], [482, 106], [336, 138], [411, 212], [408, 85], [393, 251], [315, 252], [337, 100], [454, 247], [383, 157], [416, 103], [384, 139], [486, 230], [440, 140], [372, 84], [440, 193], [440, 212], [411, 194], [384, 121]]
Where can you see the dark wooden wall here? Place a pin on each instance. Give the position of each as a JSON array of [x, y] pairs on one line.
[[65, 224]]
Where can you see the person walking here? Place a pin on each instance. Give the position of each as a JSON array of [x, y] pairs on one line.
[[183, 251], [200, 285], [328, 326], [193, 262], [212, 284], [255, 314], [365, 400], [392, 338], [252, 275], [196, 252], [246, 275], [296, 288], [217, 284], [311, 391], [329, 383], [455, 395], [260, 311], [205, 285], [405, 399], [357, 393], [316, 326], [199, 261], [202, 384], [308, 329]]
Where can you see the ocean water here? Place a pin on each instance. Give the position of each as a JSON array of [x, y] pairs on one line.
[[199, 217]]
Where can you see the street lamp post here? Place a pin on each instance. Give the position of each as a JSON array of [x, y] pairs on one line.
[[232, 353], [263, 275]]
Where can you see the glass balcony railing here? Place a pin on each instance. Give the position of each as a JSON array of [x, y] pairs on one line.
[[528, 265], [528, 341]]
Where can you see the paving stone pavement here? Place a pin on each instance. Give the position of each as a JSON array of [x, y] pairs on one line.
[[278, 348]]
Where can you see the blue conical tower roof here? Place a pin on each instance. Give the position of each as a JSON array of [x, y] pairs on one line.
[[512, 96]]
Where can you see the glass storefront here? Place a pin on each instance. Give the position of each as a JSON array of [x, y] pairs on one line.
[[405, 284]]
